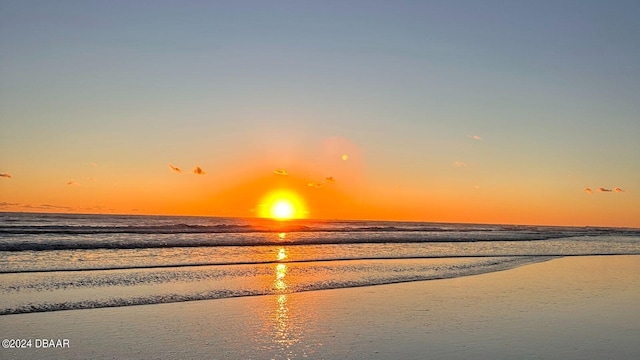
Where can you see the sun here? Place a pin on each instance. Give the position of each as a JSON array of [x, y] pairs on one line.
[[282, 205], [282, 209]]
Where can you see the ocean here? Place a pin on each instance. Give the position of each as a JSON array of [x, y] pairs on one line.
[[53, 262]]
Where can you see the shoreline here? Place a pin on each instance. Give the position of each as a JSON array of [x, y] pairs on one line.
[[569, 308]]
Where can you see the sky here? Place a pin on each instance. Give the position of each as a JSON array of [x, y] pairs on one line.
[[524, 112]]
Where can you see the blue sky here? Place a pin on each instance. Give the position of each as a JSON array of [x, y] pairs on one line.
[[550, 87]]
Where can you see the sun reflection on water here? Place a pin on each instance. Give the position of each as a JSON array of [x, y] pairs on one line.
[[284, 335], [283, 316], [281, 269], [282, 254], [280, 283], [283, 326]]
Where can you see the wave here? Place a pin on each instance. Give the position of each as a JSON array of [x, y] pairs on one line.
[[304, 261], [210, 229], [295, 227], [159, 229], [374, 238], [207, 229], [190, 240], [436, 272]]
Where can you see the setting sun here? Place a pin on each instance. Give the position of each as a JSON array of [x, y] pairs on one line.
[[282, 205], [282, 209]]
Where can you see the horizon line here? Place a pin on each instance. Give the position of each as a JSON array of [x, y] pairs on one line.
[[324, 219]]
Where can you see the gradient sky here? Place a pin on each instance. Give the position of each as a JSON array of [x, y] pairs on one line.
[[459, 111]]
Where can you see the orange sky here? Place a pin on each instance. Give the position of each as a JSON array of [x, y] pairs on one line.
[[329, 184]]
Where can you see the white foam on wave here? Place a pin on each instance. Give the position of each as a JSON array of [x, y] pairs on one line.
[[24, 293]]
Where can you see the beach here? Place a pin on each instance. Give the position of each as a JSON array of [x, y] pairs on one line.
[[319, 180], [566, 308]]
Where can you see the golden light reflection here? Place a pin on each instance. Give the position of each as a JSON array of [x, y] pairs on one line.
[[282, 312], [282, 254], [281, 271], [283, 324], [283, 336]]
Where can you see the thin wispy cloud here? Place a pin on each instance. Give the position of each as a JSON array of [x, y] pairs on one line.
[[73, 183], [93, 164], [95, 208], [90, 178], [175, 168], [7, 204], [460, 164], [474, 137], [604, 190], [281, 172], [318, 185], [5, 175], [198, 170], [54, 207]]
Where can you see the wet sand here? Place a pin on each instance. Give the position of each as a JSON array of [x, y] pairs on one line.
[[568, 308]]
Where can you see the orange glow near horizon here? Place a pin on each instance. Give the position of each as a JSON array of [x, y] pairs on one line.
[[352, 194], [282, 205]]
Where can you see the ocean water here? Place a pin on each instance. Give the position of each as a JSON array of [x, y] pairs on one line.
[[52, 262]]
